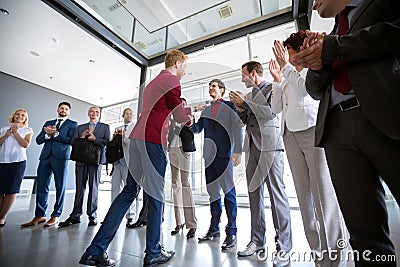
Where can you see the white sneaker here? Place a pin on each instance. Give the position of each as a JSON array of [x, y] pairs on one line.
[[250, 249], [281, 259]]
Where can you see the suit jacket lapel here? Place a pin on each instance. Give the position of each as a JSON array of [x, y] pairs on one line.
[[360, 10], [64, 123]]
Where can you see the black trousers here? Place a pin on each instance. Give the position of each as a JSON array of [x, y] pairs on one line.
[[359, 156]]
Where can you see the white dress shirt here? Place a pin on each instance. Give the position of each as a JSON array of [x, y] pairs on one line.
[[10, 150]]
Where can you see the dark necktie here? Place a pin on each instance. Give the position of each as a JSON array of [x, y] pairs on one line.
[[125, 126], [341, 81], [58, 124]]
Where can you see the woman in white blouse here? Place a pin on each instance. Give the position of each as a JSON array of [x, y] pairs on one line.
[[322, 218], [14, 140]]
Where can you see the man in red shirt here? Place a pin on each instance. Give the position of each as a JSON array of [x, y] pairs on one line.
[[147, 164]]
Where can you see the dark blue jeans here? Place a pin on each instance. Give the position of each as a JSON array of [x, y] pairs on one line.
[[219, 175], [147, 166]]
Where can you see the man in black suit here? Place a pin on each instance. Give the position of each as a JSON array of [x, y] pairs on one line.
[[355, 72], [99, 133]]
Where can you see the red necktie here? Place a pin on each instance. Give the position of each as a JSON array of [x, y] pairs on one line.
[[341, 80], [214, 108]]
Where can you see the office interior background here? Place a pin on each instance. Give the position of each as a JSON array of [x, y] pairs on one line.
[[103, 53]]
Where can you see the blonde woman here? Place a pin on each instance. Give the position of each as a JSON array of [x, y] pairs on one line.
[[14, 140]]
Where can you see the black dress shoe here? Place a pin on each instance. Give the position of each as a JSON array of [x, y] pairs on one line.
[[162, 258], [191, 233], [3, 224], [137, 224], [68, 222], [97, 260], [177, 229], [209, 236], [92, 222], [229, 242]]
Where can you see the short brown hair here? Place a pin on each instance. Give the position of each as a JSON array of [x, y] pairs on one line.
[[11, 117], [254, 65], [221, 85], [173, 56], [295, 40], [125, 110]]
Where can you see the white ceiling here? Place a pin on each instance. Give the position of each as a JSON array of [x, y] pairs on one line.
[[65, 52]]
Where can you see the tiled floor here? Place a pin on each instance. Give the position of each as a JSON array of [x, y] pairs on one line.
[[38, 246]]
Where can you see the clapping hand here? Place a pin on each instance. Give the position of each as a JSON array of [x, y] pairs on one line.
[[275, 71], [310, 55], [237, 98], [281, 53]]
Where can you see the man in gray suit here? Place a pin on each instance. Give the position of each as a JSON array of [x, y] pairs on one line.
[[99, 133], [265, 163], [355, 72]]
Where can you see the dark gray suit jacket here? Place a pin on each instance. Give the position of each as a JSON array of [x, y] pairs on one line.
[[371, 51]]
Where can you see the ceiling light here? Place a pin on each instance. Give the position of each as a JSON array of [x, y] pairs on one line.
[[225, 11], [4, 12], [92, 61], [114, 6], [34, 53], [55, 40], [141, 45], [52, 77]]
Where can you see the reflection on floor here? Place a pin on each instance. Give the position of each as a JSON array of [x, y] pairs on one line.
[[38, 246]]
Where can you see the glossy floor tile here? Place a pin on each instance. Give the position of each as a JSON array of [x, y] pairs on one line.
[[38, 246]]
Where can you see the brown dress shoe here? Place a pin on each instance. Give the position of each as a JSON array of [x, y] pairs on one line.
[[34, 221], [51, 222]]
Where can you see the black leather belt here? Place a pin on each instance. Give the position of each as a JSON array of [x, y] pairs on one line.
[[346, 105]]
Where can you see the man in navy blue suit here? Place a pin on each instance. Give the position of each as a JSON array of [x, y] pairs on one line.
[[56, 136], [222, 150]]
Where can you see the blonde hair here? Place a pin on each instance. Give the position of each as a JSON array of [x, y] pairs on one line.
[[11, 117], [173, 56]]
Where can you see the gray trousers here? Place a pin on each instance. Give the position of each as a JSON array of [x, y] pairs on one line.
[[268, 167], [86, 174], [322, 219], [118, 181]]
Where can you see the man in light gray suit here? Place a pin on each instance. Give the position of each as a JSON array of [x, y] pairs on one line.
[[99, 133], [265, 163]]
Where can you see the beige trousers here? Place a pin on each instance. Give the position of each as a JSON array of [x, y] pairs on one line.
[[182, 193]]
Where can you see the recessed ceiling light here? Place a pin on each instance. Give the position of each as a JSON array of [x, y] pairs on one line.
[[4, 12], [55, 40], [34, 53], [52, 77], [92, 61]]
